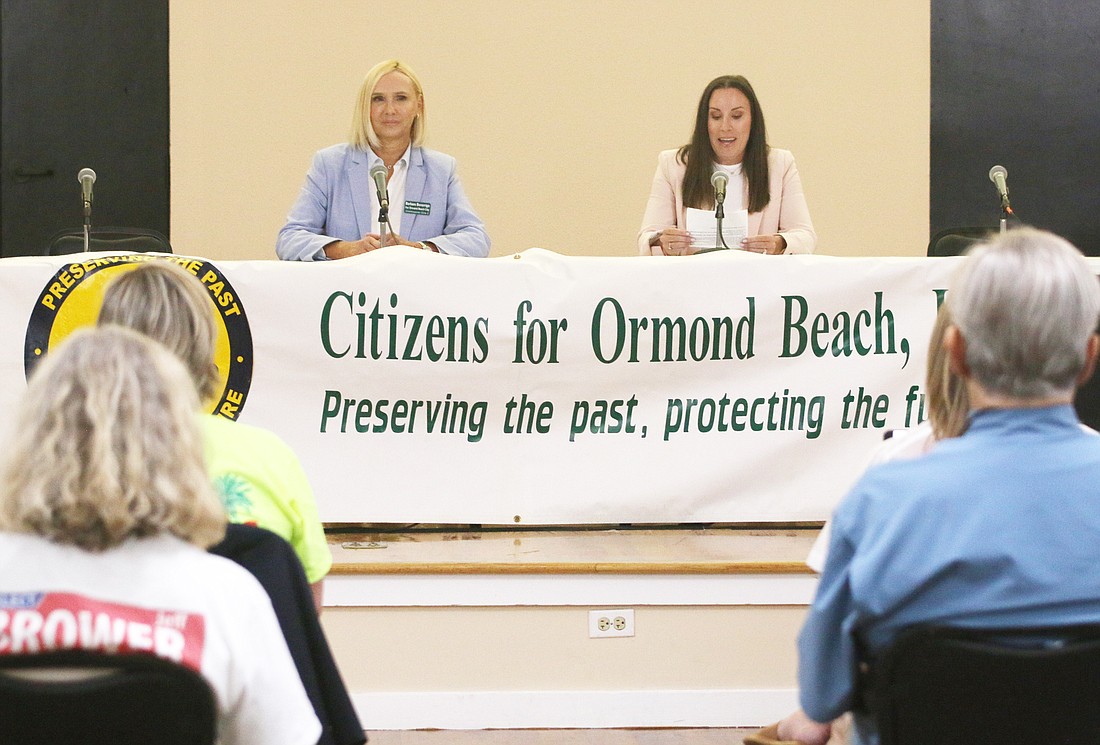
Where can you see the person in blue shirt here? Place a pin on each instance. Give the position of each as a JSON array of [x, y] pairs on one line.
[[998, 527]]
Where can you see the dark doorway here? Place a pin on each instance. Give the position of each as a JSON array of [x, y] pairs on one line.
[[85, 85], [1015, 83]]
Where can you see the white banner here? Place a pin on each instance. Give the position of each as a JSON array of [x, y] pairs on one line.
[[544, 389]]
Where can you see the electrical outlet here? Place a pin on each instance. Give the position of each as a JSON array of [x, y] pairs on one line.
[[608, 623]]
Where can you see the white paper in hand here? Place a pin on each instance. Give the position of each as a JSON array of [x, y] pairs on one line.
[[704, 228]]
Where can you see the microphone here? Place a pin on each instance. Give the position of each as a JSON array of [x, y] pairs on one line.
[[86, 177], [718, 180], [378, 175], [998, 175]]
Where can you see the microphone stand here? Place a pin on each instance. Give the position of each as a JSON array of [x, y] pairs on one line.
[[378, 174], [383, 223], [87, 224], [1006, 210], [719, 215]]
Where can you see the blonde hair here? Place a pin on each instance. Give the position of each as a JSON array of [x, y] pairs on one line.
[[107, 447], [948, 401], [362, 131], [162, 301]]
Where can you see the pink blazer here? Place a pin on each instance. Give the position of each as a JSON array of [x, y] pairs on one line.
[[786, 213]]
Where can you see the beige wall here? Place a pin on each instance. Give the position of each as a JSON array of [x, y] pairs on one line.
[[555, 111], [547, 648]]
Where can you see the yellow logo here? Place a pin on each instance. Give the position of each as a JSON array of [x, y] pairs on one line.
[[71, 300]]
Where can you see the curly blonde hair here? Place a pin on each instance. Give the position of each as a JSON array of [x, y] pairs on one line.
[[162, 301], [107, 447]]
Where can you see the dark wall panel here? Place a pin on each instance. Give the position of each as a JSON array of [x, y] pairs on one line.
[[84, 85], [1016, 83]]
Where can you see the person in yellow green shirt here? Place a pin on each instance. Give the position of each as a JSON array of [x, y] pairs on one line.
[[256, 474]]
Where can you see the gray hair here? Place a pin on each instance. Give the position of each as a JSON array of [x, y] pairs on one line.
[[1026, 304]]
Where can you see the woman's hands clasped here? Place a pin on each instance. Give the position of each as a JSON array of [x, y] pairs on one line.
[[369, 242]]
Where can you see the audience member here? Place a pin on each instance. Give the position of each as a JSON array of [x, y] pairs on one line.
[[990, 528], [106, 512], [948, 408], [257, 476]]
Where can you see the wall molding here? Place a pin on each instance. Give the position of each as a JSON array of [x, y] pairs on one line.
[[572, 709], [496, 590]]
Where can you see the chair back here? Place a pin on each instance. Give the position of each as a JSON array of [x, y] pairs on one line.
[[996, 686], [272, 561], [138, 240], [91, 698], [955, 241]]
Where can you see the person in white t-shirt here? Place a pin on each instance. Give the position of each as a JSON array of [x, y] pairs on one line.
[[948, 408], [105, 514]]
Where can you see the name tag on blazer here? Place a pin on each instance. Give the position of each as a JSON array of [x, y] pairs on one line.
[[418, 208]]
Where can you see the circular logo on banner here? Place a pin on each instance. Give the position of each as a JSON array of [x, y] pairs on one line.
[[71, 300]]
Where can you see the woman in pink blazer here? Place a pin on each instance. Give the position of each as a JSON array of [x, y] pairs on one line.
[[729, 135]]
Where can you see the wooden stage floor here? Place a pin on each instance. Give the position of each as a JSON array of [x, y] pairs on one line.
[[674, 550]]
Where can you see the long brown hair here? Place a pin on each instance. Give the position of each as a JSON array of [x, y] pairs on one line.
[[698, 155]]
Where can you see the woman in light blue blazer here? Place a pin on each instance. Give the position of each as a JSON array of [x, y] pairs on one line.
[[336, 214]]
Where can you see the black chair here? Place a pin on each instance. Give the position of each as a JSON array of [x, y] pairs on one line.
[[91, 698], [955, 241], [997, 686], [272, 561], [138, 240]]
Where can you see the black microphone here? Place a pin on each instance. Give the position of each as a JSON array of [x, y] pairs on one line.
[[86, 177], [998, 175], [378, 175], [718, 180]]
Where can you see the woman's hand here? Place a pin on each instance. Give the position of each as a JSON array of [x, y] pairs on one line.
[[345, 249], [393, 239], [369, 242], [674, 242], [765, 244]]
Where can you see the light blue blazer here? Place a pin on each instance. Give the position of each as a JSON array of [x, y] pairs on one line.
[[334, 204]]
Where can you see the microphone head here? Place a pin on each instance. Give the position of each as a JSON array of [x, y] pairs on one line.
[[378, 169], [996, 171], [85, 173], [719, 179]]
